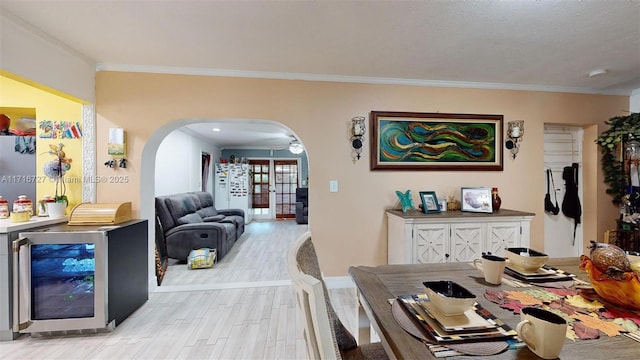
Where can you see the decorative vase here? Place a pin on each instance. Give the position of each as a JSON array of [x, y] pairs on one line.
[[495, 199], [56, 209]]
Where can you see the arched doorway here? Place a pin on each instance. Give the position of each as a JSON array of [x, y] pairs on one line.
[[148, 186]]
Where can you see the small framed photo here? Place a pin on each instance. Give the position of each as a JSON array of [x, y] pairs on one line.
[[476, 200], [429, 202]]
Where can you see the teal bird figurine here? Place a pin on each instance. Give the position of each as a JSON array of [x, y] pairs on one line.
[[405, 200]]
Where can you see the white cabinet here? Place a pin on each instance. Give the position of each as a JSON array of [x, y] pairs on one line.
[[453, 236]]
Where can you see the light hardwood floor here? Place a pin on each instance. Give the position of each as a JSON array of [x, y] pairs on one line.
[[242, 308]]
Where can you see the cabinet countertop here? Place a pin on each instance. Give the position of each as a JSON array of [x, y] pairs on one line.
[[415, 214], [7, 226]]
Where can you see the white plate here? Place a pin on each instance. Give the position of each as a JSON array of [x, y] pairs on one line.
[[469, 320]]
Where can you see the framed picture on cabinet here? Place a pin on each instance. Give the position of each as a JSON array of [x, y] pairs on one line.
[[476, 199], [429, 202]]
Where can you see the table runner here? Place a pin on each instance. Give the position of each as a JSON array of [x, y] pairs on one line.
[[586, 315]]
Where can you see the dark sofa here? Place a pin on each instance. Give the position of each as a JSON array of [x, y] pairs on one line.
[[302, 205], [191, 221]]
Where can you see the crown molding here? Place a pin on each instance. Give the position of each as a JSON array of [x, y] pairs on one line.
[[18, 21], [349, 79]]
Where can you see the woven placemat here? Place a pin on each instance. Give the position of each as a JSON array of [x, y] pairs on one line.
[[483, 348]]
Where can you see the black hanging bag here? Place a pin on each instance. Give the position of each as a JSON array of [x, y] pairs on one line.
[[571, 203], [548, 205]]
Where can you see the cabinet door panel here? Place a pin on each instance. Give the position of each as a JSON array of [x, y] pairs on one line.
[[466, 242], [431, 244], [501, 236]]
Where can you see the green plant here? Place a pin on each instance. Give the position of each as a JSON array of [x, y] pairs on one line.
[[610, 142]]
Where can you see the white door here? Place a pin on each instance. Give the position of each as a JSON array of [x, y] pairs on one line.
[[562, 147]]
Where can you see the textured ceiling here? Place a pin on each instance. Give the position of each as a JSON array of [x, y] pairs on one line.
[[537, 45]]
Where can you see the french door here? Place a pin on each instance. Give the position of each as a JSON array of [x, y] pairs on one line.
[[274, 188]]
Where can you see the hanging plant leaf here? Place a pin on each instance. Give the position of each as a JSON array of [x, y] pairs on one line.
[[609, 141]]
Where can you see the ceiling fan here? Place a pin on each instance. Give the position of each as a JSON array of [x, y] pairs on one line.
[[289, 142], [295, 146]]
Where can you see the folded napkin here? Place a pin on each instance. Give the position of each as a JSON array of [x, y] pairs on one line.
[[483, 348]]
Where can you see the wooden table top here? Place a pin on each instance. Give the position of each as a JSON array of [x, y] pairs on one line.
[[378, 284]]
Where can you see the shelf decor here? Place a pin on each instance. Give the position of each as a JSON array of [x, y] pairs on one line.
[[429, 202], [435, 141], [405, 200], [476, 200]]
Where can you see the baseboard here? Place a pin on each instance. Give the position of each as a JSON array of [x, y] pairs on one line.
[[333, 282]]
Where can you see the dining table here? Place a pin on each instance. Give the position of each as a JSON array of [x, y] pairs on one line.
[[377, 285]]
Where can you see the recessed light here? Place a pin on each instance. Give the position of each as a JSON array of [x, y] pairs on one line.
[[216, 129], [597, 72]]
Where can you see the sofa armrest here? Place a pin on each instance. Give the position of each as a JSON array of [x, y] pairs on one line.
[[300, 215], [228, 212]]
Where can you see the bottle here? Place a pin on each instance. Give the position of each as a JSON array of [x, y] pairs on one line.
[[495, 199], [4, 208], [23, 204]]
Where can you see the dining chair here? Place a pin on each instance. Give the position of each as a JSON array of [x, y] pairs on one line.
[[324, 333]]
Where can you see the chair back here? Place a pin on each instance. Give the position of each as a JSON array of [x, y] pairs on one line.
[[321, 343]]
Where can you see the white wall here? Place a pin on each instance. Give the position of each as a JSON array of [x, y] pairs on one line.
[[634, 101], [178, 163], [34, 55]]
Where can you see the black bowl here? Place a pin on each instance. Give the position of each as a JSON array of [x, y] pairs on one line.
[[531, 252]]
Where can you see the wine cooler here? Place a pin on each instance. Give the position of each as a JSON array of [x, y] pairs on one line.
[[79, 277]]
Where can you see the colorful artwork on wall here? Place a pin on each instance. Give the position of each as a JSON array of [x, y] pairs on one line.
[[60, 129], [435, 141]]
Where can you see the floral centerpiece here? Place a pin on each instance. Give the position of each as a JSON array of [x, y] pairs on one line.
[[56, 169]]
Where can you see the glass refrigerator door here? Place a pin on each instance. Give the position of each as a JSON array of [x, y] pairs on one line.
[[60, 281]]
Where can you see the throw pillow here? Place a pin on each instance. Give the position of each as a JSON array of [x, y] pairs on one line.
[[190, 219]]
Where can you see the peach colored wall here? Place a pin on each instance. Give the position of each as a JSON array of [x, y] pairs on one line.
[[349, 226]]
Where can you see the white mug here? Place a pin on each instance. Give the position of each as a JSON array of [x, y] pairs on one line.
[[543, 331], [492, 267]]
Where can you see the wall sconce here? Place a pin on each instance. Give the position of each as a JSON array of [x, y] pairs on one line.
[[295, 147], [357, 134], [515, 131]]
